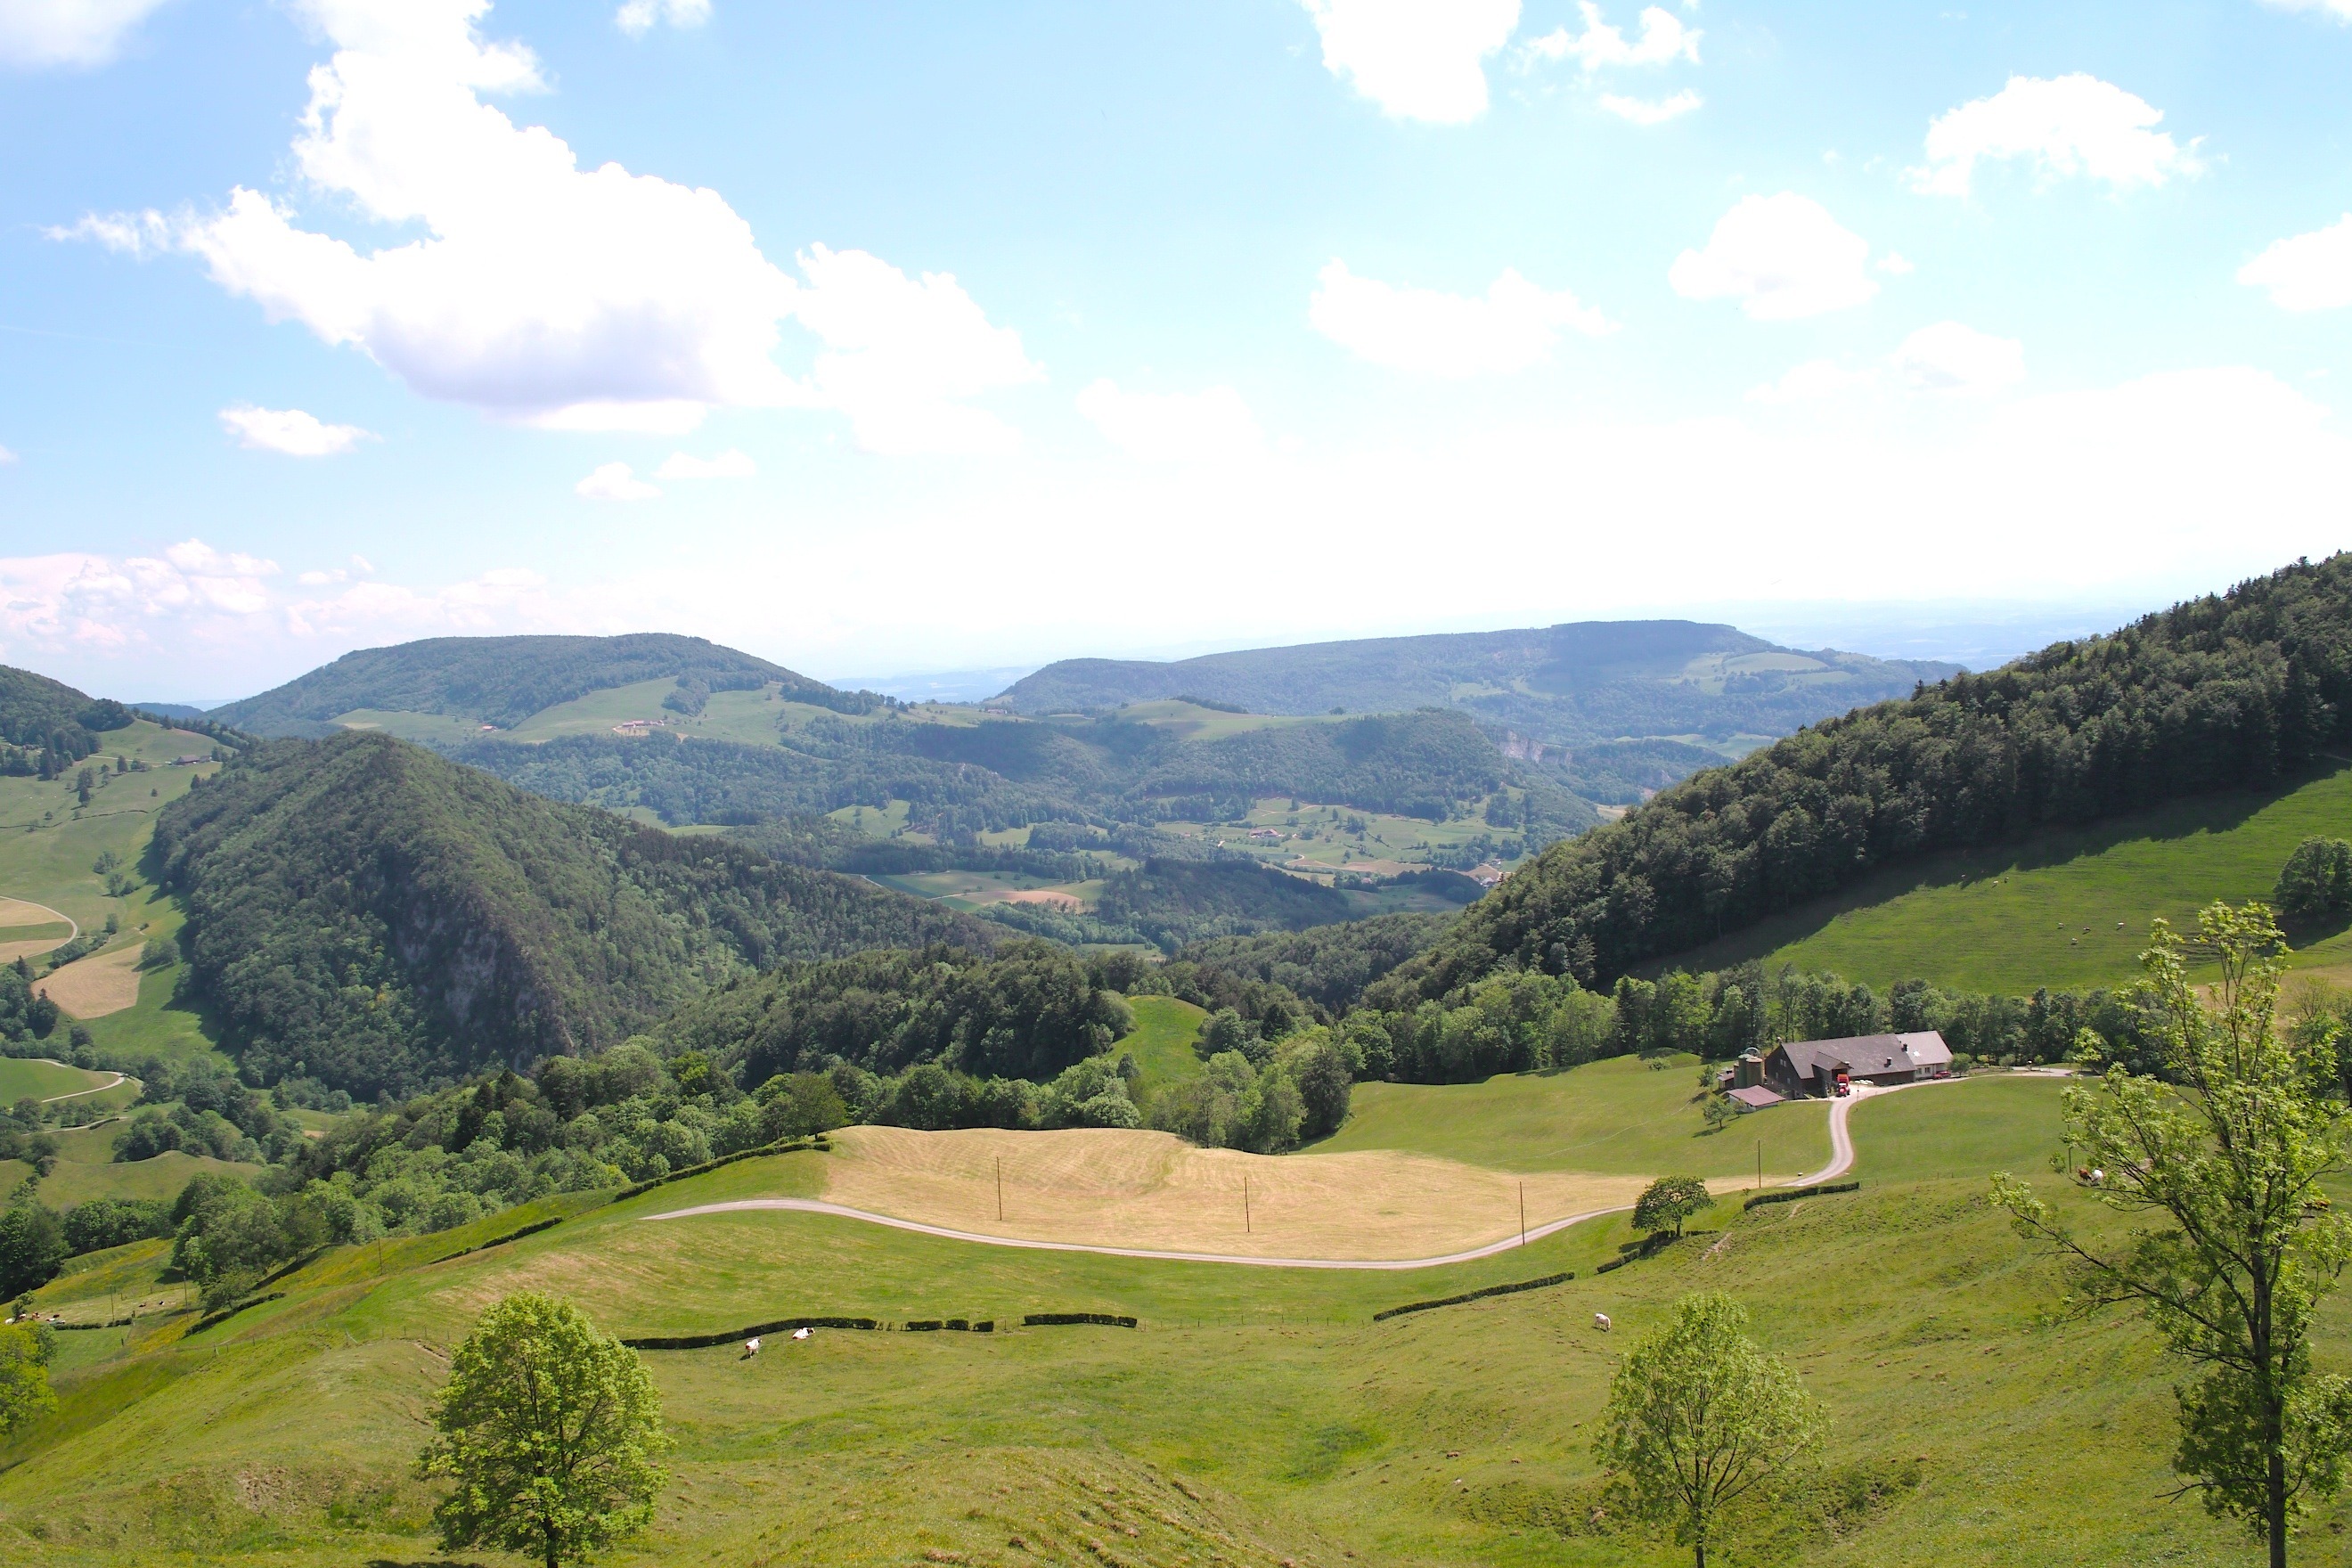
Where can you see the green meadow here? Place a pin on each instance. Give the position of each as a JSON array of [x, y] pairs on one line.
[[2067, 908], [1619, 1116], [1256, 1415]]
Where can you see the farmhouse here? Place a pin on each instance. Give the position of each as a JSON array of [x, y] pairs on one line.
[[1825, 1067]]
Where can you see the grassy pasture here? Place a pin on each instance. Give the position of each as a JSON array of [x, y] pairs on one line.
[[48, 843], [1161, 1043], [1191, 722], [1320, 836], [2009, 920], [1616, 1116], [1257, 1414], [22, 1078]]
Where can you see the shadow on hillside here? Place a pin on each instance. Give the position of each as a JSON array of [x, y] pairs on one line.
[[2046, 847]]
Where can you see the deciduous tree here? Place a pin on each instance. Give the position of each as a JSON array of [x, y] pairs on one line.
[[1665, 1202], [1699, 1418], [2227, 1155], [551, 1431]]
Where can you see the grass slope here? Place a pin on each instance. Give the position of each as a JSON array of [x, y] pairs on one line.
[[2011, 919], [1257, 1414], [1616, 1116], [27, 1079], [1162, 1044]]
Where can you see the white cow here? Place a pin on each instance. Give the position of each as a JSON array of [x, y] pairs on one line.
[[800, 1333], [751, 1346], [1601, 1322]]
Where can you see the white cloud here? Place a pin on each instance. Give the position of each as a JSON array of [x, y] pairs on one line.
[[1513, 326], [1648, 111], [574, 299], [2065, 126], [728, 465], [1895, 263], [289, 430], [1418, 59], [1953, 358], [615, 481], [2309, 272], [637, 16], [1812, 381], [1173, 427], [6, 456], [2339, 9], [68, 32], [1782, 257], [1663, 40]]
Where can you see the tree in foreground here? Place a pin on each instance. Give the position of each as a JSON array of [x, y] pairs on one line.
[[25, 1351], [2227, 1155], [552, 1432], [1667, 1202], [1699, 1418]]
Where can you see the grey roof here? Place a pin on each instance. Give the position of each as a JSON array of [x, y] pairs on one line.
[[1864, 1055], [1755, 1098]]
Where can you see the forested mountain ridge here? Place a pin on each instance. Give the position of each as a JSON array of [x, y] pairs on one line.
[[367, 914], [1580, 684], [504, 680], [2226, 691]]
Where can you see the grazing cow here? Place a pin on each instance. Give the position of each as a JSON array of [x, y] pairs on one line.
[[1601, 1322], [751, 1346], [800, 1333]]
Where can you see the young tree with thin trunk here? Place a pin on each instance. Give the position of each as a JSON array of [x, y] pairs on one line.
[[2226, 1153], [1699, 1418], [552, 1432]]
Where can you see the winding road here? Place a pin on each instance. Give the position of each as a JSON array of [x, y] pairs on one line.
[[1841, 1161]]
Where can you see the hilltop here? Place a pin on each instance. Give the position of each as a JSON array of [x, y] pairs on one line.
[[367, 914], [1626, 700], [2240, 691], [501, 682], [38, 712]]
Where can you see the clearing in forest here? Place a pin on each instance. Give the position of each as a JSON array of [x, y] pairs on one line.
[[94, 986]]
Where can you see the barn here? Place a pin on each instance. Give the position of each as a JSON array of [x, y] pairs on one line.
[[1814, 1067]]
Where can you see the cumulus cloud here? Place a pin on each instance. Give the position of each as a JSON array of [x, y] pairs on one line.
[[1650, 111], [615, 481], [1173, 427], [35, 33], [545, 293], [1418, 59], [1664, 39], [1512, 326], [289, 430], [1812, 381], [899, 355], [2309, 272], [1781, 257], [2339, 9], [1951, 358], [2064, 126], [637, 17], [728, 465]]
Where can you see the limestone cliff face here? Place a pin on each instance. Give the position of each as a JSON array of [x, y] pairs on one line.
[[366, 912]]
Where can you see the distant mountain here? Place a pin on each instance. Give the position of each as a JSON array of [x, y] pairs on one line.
[[1544, 689], [366, 912], [172, 710], [504, 680]]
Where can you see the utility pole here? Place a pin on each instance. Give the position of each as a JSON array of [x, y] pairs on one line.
[[1523, 1213], [1759, 1164], [1000, 1187], [1246, 1213]]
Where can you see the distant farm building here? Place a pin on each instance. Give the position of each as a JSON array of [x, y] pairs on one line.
[[1822, 1068], [1756, 1097]]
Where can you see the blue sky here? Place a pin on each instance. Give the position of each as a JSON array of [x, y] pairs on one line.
[[889, 337]]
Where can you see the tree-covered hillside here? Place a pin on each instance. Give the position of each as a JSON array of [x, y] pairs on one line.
[[963, 779], [1584, 684], [40, 714], [367, 914], [504, 680], [2227, 691]]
